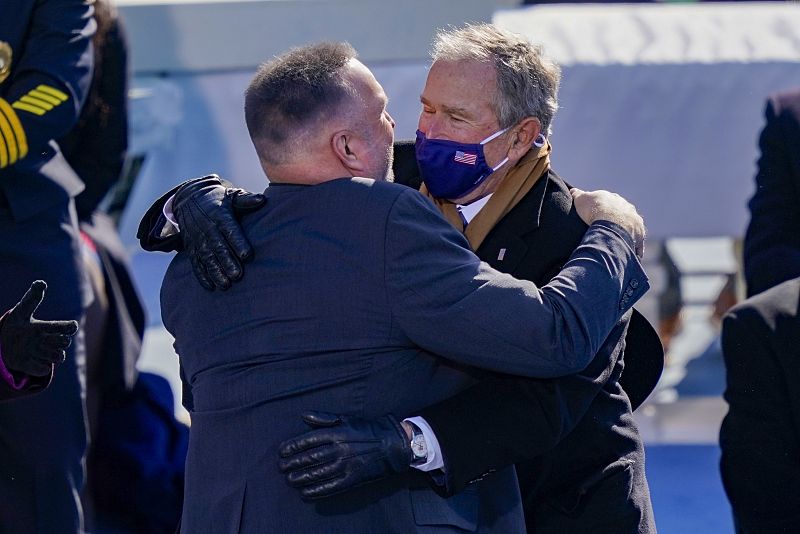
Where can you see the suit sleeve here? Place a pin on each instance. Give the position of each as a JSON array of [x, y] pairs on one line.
[[772, 241], [483, 429], [151, 228], [151, 232], [760, 461], [43, 99], [448, 302]]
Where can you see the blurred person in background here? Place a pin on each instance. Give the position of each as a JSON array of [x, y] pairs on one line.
[[45, 71], [483, 155], [760, 462], [29, 348], [760, 435], [772, 242], [137, 448]]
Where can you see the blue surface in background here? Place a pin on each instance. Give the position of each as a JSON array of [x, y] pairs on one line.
[[686, 489], [148, 269]]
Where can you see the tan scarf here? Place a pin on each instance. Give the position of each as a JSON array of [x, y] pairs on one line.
[[517, 183]]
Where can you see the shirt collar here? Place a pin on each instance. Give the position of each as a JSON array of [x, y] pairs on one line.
[[471, 210]]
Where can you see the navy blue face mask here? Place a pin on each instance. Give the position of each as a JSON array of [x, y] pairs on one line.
[[450, 169]]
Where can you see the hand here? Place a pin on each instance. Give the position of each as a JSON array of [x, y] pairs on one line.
[[31, 346], [603, 205], [343, 452], [207, 214]]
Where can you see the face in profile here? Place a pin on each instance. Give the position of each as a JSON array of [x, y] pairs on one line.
[[375, 124]]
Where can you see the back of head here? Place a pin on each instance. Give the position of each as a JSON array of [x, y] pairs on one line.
[[293, 97], [527, 82]]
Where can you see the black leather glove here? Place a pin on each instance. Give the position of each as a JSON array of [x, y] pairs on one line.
[[31, 346], [207, 213], [342, 453]]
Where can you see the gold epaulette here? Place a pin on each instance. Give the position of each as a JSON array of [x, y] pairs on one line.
[[41, 100], [13, 143]]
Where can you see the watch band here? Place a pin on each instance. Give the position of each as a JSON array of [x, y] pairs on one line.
[[419, 447]]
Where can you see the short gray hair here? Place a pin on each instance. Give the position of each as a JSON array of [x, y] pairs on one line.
[[291, 93], [527, 82]]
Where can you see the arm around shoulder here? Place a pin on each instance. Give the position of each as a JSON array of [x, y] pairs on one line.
[[450, 303]]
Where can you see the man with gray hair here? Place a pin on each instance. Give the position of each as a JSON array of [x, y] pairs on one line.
[[483, 157]]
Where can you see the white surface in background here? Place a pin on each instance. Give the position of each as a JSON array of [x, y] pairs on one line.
[[688, 421], [663, 103], [653, 33], [159, 357], [713, 254], [212, 35]]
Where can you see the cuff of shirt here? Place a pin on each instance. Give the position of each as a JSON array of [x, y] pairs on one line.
[[435, 460], [171, 227]]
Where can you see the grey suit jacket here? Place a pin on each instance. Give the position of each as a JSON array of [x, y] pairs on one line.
[[358, 285]]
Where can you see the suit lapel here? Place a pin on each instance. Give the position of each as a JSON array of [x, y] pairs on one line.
[[509, 241]]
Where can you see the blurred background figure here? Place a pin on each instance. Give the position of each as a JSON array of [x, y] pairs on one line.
[[45, 69], [29, 348], [760, 436], [137, 448], [772, 242]]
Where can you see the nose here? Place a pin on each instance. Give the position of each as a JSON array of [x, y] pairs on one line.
[[391, 120], [430, 125]]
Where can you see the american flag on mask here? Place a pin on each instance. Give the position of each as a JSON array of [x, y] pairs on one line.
[[463, 157]]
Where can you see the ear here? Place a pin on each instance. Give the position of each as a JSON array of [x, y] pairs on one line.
[[348, 148], [526, 133]]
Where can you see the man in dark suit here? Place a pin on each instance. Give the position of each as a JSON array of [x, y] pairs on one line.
[[363, 278], [29, 348], [772, 242], [760, 435], [45, 70], [528, 228]]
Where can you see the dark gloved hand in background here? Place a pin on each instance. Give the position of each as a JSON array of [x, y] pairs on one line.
[[207, 213], [343, 452], [31, 346]]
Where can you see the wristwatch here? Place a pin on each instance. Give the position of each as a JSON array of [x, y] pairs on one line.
[[419, 448]]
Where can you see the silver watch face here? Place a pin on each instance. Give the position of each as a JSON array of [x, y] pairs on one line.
[[419, 447]]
